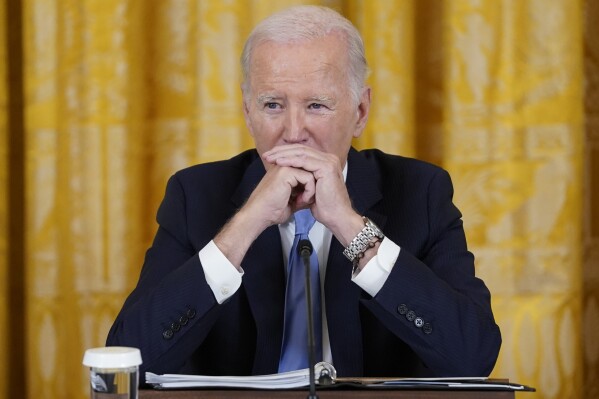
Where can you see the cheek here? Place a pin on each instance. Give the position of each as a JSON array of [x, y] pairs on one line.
[[332, 132], [265, 133], [266, 128]]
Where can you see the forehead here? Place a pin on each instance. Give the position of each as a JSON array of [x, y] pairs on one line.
[[314, 62]]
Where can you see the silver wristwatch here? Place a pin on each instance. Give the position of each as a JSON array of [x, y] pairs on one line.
[[365, 239]]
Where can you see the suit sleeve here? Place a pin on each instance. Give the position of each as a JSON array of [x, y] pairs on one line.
[[172, 308], [434, 302]]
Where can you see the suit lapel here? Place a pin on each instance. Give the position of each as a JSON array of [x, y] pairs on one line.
[[263, 281], [342, 295]]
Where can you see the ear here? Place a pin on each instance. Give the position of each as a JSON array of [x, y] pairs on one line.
[[362, 110]]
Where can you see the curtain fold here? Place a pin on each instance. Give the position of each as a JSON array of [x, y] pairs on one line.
[[4, 144], [12, 207], [119, 94], [591, 199]]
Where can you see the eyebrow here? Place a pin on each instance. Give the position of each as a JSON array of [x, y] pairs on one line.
[[265, 98], [322, 99]]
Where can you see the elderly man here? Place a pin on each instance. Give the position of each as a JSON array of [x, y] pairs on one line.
[[395, 294]]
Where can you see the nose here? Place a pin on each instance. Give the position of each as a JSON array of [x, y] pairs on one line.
[[295, 127]]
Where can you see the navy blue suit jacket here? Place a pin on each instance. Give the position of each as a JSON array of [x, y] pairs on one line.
[[173, 317]]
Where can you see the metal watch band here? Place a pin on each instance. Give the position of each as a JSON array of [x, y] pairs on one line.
[[362, 242]]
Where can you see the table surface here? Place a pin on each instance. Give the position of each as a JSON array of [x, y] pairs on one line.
[[325, 394]]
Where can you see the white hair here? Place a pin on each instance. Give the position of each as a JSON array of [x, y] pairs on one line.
[[301, 23]]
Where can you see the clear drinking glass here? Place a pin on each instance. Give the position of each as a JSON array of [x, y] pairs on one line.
[[113, 372]]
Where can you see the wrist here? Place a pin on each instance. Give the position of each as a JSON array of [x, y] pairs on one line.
[[352, 225], [360, 262], [237, 235], [368, 237]]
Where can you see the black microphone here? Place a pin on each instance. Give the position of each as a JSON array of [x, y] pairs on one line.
[[304, 247]]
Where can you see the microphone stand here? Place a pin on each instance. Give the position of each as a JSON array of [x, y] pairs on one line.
[[305, 250]]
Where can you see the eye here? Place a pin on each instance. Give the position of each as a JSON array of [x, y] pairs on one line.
[[271, 105], [316, 106]]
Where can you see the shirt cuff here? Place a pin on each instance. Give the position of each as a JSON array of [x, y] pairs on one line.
[[223, 278], [374, 274]]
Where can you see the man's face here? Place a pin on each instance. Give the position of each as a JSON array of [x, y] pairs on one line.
[[300, 93]]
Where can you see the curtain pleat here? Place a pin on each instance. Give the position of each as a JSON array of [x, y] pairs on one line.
[[4, 144], [590, 325]]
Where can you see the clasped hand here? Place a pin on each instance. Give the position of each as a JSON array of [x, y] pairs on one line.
[[300, 177], [297, 177]]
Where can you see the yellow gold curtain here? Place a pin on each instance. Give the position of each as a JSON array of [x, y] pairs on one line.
[[118, 94]]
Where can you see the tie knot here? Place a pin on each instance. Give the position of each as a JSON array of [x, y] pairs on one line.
[[303, 221]]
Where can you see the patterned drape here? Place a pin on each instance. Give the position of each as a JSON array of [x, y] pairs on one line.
[[101, 100]]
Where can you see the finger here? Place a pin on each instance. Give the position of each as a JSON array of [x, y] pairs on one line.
[[309, 193], [300, 156], [292, 151], [305, 187]]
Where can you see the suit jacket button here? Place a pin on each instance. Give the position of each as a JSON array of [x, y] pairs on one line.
[[411, 315], [168, 333], [183, 320], [175, 326], [418, 322], [427, 328], [402, 309], [191, 313]]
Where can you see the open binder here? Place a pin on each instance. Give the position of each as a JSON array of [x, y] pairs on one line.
[[326, 378]]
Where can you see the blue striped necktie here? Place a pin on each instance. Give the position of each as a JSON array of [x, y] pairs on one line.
[[294, 352]]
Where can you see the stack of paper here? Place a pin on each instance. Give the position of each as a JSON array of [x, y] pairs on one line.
[[291, 379]]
